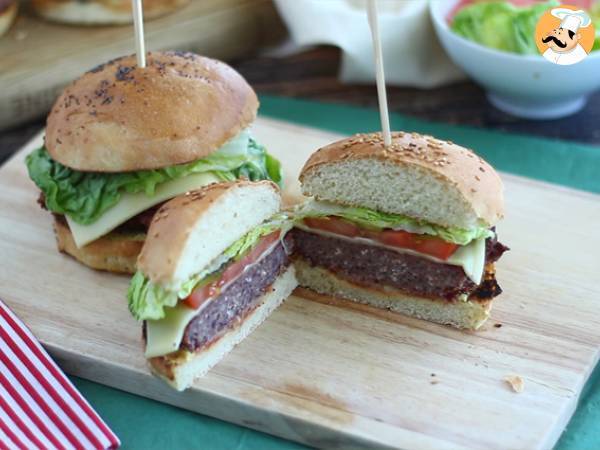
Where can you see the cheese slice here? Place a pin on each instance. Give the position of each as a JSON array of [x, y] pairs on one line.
[[164, 336], [131, 205], [471, 258]]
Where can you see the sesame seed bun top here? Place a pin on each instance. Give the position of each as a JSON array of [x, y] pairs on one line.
[[417, 175], [118, 117]]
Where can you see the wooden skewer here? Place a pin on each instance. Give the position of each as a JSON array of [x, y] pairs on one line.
[[138, 25], [379, 73]]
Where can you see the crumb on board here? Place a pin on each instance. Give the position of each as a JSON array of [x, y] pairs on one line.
[[497, 325], [516, 383], [434, 382]]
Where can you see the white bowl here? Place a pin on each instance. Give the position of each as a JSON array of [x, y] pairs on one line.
[[523, 85]]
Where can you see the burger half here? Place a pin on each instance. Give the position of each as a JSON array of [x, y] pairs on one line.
[[214, 266], [121, 140], [409, 227]]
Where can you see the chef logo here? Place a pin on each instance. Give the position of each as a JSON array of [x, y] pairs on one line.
[[565, 35]]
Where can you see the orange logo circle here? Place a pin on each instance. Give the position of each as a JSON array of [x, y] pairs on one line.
[[565, 34]]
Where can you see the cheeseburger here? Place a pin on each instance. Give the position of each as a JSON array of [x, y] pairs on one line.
[[122, 140], [409, 227]]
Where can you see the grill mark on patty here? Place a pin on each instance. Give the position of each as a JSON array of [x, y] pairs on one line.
[[237, 301], [373, 266]]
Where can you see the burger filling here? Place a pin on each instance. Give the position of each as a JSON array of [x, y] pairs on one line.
[[196, 313], [374, 266], [95, 203], [378, 250], [232, 302]]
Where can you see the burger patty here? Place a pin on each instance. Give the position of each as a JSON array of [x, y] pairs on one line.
[[371, 265], [238, 300]]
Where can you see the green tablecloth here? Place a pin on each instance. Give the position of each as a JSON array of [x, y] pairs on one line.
[[146, 424]]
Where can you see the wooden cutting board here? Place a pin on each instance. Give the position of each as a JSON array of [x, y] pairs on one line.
[[331, 374], [38, 58]]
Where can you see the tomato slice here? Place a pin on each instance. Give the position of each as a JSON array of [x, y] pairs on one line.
[[333, 225], [428, 245], [203, 293], [262, 246], [396, 238]]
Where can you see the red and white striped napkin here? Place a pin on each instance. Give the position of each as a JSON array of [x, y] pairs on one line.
[[39, 406]]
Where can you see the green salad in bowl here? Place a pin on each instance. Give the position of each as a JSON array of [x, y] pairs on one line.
[[494, 43], [508, 26]]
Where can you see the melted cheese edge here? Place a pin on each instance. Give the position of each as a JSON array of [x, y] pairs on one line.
[[471, 258], [164, 336]]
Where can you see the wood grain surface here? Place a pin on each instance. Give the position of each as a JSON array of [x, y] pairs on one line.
[[336, 375], [38, 58]]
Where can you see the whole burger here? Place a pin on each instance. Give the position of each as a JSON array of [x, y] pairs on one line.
[[101, 12], [121, 140]]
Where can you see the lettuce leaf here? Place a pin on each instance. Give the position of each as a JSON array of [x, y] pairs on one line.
[[501, 25], [259, 165], [147, 300], [377, 220], [85, 196], [243, 245], [595, 16]]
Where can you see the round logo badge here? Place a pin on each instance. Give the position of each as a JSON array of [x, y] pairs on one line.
[[565, 35]]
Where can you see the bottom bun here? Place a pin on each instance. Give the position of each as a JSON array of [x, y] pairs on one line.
[[114, 252], [180, 369], [460, 314]]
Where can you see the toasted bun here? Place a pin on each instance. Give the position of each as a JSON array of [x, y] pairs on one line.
[[118, 117], [114, 252], [7, 16], [180, 369], [190, 231], [418, 176], [467, 315], [101, 12]]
